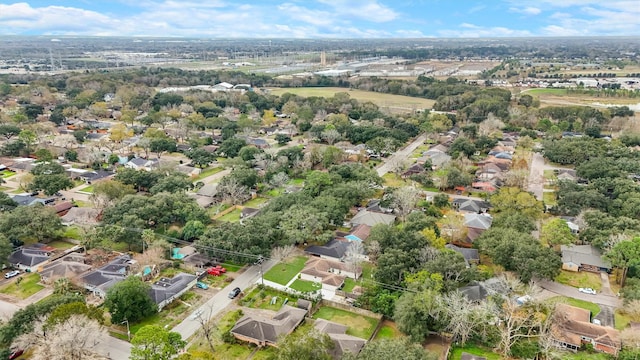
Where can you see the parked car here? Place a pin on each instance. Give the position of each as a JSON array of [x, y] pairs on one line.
[[216, 270], [235, 292], [11, 274], [587, 291], [16, 354], [201, 285]]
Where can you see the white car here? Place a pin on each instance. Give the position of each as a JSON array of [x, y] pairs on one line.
[[11, 274], [587, 291]]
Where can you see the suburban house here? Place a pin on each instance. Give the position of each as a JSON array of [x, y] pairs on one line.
[[258, 142], [332, 250], [479, 290], [471, 256], [31, 257], [470, 206], [583, 258], [248, 212], [437, 157], [476, 224], [370, 218], [142, 164], [343, 343], [485, 186], [414, 169], [91, 176], [69, 266], [359, 233], [264, 331], [166, 290], [488, 172], [63, 208], [331, 274], [572, 328], [103, 279]]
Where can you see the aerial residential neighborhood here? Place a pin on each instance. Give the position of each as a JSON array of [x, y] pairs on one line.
[[469, 196]]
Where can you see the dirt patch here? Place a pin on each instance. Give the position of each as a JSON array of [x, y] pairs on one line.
[[438, 345]]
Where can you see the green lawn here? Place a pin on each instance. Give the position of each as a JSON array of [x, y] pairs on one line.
[[349, 284], [393, 180], [296, 182], [261, 298], [255, 203], [549, 198], [275, 192], [456, 352], [208, 172], [594, 308], [27, 286], [61, 245], [88, 189], [548, 91], [388, 331], [170, 316], [621, 320], [226, 351], [233, 216], [282, 273], [358, 325], [582, 279], [305, 286], [72, 232], [7, 174]]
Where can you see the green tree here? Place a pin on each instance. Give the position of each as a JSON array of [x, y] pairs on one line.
[[6, 203], [624, 255], [28, 137], [385, 349], [64, 311], [5, 250], [9, 130], [162, 145], [231, 147], [172, 182], [282, 139], [556, 232], [50, 184], [415, 312], [153, 342], [130, 300], [305, 343], [36, 223], [510, 199], [201, 157]]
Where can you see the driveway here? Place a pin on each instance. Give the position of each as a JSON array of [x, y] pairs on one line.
[[399, 156], [568, 291], [536, 176]]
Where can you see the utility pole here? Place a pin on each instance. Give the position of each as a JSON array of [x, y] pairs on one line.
[[128, 330]]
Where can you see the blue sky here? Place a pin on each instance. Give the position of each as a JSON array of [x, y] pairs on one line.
[[321, 18]]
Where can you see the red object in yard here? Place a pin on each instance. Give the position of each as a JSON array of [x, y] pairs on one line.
[[216, 270]]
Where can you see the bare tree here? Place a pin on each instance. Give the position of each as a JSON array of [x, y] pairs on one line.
[[65, 140], [75, 338], [232, 191], [279, 179], [207, 326], [491, 125], [354, 256], [373, 250], [464, 317], [404, 200], [330, 136], [282, 253]]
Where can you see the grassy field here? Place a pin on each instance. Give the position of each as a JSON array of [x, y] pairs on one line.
[[545, 91], [358, 325], [233, 216], [61, 245], [621, 320], [305, 286], [282, 273], [382, 100], [72, 232], [456, 352], [87, 189], [27, 286], [581, 279]]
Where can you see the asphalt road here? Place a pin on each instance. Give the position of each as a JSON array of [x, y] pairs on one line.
[[401, 155], [536, 176], [214, 306], [568, 291]]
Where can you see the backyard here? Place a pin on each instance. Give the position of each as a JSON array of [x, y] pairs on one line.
[[233, 216], [23, 287], [305, 286], [255, 202], [208, 172], [262, 298], [358, 325], [283, 272], [594, 308], [388, 330], [456, 352]]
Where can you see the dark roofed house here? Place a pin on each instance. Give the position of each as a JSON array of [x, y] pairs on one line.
[[263, 331], [470, 205], [103, 279], [248, 212], [332, 250], [25, 200], [471, 256], [29, 259], [414, 170], [166, 290], [583, 258], [343, 343], [91, 176], [258, 142], [69, 267]]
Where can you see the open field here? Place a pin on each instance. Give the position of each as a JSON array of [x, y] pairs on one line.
[[382, 100], [358, 325]]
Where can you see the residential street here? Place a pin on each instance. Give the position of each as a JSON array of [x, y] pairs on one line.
[[218, 302], [568, 291], [399, 156], [536, 176]]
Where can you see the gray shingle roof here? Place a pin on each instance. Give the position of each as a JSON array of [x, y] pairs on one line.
[[28, 257], [265, 330], [334, 248], [372, 218], [583, 255], [168, 287]]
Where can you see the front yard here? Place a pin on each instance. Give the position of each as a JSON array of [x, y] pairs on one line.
[[358, 325], [283, 272], [24, 286], [172, 314], [262, 298], [582, 279]]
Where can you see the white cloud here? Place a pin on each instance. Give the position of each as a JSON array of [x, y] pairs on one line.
[[368, 10], [529, 10], [474, 31]]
